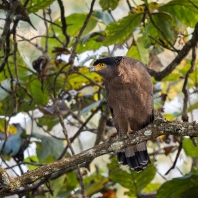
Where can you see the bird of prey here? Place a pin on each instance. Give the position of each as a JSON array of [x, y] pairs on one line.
[[129, 95]]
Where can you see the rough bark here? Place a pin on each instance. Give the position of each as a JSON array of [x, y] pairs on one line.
[[158, 127]]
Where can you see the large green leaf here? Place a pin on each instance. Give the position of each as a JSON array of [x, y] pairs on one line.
[[76, 22], [139, 52], [56, 186], [71, 181], [165, 23], [40, 97], [118, 32], [109, 4], [95, 183], [184, 10], [189, 148], [132, 180], [182, 187], [90, 42], [37, 5], [50, 146]]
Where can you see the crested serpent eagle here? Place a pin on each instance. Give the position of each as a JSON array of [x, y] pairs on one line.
[[129, 95]]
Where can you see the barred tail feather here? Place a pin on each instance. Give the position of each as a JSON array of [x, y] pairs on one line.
[[136, 157]]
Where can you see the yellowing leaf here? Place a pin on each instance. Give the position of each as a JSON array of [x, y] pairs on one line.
[[81, 78], [138, 9], [10, 128]]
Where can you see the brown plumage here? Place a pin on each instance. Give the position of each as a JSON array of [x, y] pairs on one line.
[[129, 96]]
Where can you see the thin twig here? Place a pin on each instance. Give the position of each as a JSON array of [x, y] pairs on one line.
[[163, 45], [8, 21], [73, 53], [64, 23], [129, 5], [79, 175], [193, 4], [176, 158], [156, 26], [79, 131], [49, 21], [184, 88], [47, 33]]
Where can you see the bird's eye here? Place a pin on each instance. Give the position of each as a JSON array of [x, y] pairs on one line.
[[102, 64]]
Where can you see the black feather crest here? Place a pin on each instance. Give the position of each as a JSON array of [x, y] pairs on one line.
[[109, 60]]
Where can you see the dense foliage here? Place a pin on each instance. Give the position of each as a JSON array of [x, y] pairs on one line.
[[45, 70]]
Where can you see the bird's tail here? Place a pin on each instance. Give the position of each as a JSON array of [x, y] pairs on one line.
[[136, 157]]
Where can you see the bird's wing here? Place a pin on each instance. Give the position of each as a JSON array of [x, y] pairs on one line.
[[107, 94]]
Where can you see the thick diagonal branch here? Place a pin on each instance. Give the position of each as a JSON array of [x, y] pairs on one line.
[[181, 55], [157, 128]]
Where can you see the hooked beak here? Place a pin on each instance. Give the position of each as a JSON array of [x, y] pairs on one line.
[[92, 69]]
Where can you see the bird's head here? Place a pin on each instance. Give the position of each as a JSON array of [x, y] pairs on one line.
[[98, 67], [106, 67]]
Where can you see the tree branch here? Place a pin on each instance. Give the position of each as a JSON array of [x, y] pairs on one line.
[[64, 23], [157, 128], [181, 55], [184, 89], [73, 54], [176, 158]]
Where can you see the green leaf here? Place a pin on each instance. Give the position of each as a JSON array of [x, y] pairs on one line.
[[183, 10], [90, 42], [40, 97], [71, 181], [182, 187], [139, 52], [189, 147], [109, 4], [48, 121], [105, 17], [95, 183], [50, 146], [165, 23], [96, 186], [79, 80], [118, 32], [34, 159], [193, 107], [153, 187], [171, 77], [76, 22], [56, 186], [133, 181], [37, 5]]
